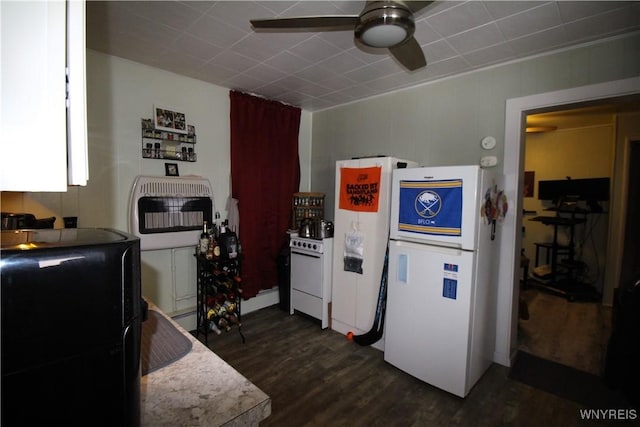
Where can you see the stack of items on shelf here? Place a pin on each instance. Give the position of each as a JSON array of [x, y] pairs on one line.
[[218, 242], [306, 206], [168, 143]]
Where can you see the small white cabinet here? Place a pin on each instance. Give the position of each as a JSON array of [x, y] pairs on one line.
[[169, 280], [43, 119]]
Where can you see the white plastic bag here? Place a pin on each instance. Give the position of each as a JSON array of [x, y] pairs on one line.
[[353, 251]]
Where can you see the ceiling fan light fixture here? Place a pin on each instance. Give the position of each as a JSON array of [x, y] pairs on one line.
[[381, 24], [384, 35], [385, 25]]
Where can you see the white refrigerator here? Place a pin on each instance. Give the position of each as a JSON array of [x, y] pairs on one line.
[[441, 300], [355, 286]]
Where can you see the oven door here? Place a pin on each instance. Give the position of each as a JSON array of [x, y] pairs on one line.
[[306, 272]]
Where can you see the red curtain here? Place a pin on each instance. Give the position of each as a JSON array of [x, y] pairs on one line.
[[265, 172]]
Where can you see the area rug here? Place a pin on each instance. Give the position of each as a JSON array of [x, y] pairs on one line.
[[564, 381], [162, 343]]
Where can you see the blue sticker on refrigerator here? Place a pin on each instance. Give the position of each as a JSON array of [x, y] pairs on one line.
[[450, 281], [451, 267], [449, 288]]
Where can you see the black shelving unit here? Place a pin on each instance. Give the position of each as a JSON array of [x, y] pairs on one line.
[[562, 279]]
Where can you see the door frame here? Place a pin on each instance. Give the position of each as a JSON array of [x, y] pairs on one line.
[[510, 243]]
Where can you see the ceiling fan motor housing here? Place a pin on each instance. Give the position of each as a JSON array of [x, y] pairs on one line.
[[385, 24]]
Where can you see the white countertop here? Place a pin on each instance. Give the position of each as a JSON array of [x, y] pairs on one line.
[[200, 389]]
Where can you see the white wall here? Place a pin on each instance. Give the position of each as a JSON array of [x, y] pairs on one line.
[[119, 94]]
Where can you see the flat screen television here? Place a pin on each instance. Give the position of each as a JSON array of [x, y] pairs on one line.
[[587, 189]]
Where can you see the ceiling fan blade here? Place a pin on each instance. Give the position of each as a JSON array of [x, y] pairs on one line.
[[326, 22], [415, 6], [409, 54]]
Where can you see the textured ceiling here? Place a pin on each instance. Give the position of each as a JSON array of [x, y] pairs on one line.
[[213, 41]]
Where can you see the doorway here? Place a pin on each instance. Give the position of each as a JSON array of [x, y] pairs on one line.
[[509, 273], [630, 269], [567, 323], [569, 167]]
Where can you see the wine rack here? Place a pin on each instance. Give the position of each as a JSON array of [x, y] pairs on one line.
[[218, 296]]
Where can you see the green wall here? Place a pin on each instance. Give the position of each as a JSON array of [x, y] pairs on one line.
[[442, 123]]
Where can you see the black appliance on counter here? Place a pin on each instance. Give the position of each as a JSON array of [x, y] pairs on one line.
[[18, 221], [71, 327]]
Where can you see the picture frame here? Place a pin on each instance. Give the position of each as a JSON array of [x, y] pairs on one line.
[[147, 123], [529, 183], [171, 169], [165, 118]]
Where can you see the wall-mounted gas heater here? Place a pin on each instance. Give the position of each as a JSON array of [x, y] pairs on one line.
[[168, 212]]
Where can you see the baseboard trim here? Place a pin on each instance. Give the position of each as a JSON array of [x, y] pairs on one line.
[[265, 298], [186, 319], [504, 360]]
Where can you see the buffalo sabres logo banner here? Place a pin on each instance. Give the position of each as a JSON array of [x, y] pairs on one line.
[[360, 189], [431, 207]]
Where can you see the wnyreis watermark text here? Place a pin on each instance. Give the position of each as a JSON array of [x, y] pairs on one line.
[[609, 414]]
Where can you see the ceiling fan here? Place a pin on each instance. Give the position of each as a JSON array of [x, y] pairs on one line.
[[381, 24]]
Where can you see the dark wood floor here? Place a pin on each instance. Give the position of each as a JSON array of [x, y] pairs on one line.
[[572, 333], [317, 378]]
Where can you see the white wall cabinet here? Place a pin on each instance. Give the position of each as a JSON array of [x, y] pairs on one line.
[[43, 119]]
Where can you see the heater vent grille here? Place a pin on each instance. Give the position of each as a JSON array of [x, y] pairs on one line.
[[168, 212], [162, 187]]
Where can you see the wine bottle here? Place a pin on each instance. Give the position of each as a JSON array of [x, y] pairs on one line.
[[204, 240], [213, 312], [214, 328], [224, 324], [214, 247]]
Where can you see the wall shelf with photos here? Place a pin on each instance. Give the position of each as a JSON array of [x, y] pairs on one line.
[[166, 144]]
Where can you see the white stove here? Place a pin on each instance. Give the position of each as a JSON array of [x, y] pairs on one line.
[[311, 263]]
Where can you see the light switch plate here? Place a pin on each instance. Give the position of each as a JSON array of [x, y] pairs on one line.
[[488, 161]]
